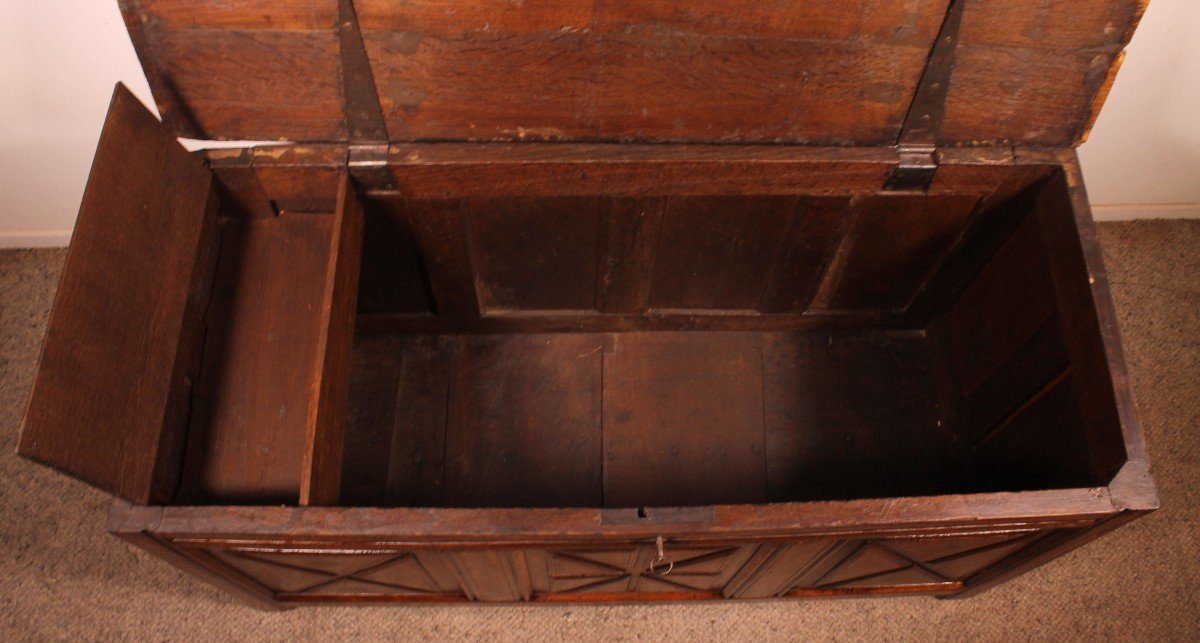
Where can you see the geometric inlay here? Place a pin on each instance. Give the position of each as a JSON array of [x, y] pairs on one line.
[[871, 566], [911, 575], [312, 573], [960, 557], [591, 564], [628, 570], [890, 562]]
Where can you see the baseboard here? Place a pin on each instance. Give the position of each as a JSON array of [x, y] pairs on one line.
[[1134, 211], [35, 238]]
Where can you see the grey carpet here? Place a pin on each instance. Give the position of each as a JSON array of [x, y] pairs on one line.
[[63, 577]]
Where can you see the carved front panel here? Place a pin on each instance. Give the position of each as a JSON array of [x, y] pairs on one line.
[[922, 563], [633, 571], [298, 572], [638, 569]]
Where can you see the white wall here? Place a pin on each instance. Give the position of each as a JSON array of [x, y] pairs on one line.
[[59, 60], [1143, 158]]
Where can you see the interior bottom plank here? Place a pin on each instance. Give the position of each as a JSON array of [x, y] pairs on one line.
[[246, 441], [642, 419]]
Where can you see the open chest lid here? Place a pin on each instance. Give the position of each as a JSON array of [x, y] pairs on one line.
[[824, 72]]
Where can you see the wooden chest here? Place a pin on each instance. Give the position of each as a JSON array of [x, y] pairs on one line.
[[598, 301]]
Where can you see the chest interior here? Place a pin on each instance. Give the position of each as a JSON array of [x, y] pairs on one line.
[[592, 254], [625, 332]]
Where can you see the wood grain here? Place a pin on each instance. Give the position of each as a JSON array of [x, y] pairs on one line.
[[523, 424], [813, 72], [719, 252], [621, 71], [1028, 71], [222, 71], [683, 420], [247, 437], [893, 246], [852, 415], [326, 421], [109, 403]]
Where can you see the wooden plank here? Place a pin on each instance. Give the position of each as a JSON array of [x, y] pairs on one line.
[[1028, 71], [960, 557], [524, 422], [1009, 200], [300, 189], [811, 72], [247, 433], [565, 321], [894, 244], [683, 419], [1089, 321], [1042, 444], [809, 247], [621, 71], [220, 69], [237, 183], [330, 377], [776, 568], [1042, 551], [375, 374], [1029, 368], [439, 233], [721, 252], [1004, 306], [631, 234], [397, 275], [535, 254], [396, 432], [210, 571], [416, 472], [900, 516], [852, 415], [109, 401], [449, 170]]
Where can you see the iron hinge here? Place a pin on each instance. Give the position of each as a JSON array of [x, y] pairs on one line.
[[369, 167], [915, 171]]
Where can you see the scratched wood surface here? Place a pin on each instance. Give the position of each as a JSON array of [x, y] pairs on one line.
[[812, 71], [109, 403], [642, 419]]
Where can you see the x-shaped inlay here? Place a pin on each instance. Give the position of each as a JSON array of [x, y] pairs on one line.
[[354, 574], [606, 573], [906, 562]]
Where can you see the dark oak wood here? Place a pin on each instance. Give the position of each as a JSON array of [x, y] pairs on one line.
[[894, 244], [247, 432], [219, 70], [530, 311], [1030, 72], [327, 407], [683, 419], [111, 396], [719, 252], [528, 465], [267, 424], [813, 71], [853, 415], [523, 421]]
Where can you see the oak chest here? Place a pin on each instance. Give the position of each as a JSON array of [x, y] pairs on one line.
[[599, 301]]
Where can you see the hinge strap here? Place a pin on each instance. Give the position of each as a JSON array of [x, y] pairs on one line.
[[369, 166], [923, 123], [364, 114], [915, 171]]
